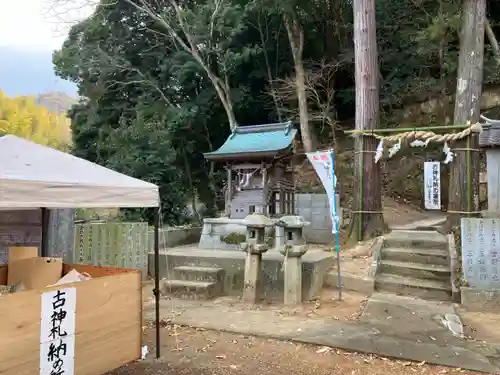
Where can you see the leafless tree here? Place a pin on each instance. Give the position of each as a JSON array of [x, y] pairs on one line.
[[173, 25], [319, 85]]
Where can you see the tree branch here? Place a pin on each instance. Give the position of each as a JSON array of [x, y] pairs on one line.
[[493, 40]]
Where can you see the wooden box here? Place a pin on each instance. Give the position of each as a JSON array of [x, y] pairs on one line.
[[108, 322]]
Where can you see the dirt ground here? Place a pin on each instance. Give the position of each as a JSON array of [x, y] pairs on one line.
[[481, 326], [396, 213], [187, 351], [326, 305]]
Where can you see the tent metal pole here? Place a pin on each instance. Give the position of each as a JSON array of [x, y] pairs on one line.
[[156, 289], [44, 245]]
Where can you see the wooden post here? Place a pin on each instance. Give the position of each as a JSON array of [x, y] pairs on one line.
[[464, 169], [229, 195], [282, 202], [265, 190]]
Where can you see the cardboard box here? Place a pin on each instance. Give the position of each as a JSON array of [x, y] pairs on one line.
[[108, 322], [18, 253], [35, 273]]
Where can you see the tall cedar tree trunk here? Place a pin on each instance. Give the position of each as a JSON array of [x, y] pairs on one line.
[[464, 193], [367, 172], [296, 39]]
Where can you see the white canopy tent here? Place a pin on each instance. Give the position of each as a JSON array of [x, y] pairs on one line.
[[33, 176]]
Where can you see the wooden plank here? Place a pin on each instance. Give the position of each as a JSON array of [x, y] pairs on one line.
[[246, 166], [21, 252], [95, 271], [108, 325], [3, 275]]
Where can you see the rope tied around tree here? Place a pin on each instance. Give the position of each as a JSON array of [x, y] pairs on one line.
[[427, 136]]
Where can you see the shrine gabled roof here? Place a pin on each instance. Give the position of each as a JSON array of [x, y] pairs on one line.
[[490, 135], [266, 140]]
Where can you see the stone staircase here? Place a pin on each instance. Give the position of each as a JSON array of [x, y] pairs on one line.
[[415, 263], [194, 283]]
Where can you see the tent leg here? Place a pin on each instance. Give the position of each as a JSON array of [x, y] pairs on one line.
[[156, 289], [44, 245]]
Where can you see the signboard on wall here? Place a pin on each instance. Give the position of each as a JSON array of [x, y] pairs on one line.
[[432, 185], [481, 252]]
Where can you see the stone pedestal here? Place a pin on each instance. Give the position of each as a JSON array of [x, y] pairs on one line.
[[254, 246], [293, 248], [253, 271], [293, 273]]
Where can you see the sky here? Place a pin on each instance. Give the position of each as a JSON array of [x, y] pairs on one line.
[[39, 24]]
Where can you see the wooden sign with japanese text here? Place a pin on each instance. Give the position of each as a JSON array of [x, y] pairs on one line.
[[432, 185]]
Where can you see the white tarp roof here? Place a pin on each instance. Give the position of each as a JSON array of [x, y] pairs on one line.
[[33, 176]]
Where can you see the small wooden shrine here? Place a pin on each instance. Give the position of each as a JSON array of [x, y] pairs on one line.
[[260, 178]]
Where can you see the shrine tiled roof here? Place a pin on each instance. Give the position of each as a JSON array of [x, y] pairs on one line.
[[257, 141]]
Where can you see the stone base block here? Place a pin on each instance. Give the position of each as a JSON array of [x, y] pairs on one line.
[[480, 300], [356, 283], [315, 265]]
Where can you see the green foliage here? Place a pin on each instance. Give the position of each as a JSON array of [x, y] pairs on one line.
[[233, 238], [150, 109]]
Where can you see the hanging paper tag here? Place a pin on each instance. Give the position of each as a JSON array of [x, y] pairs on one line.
[[395, 148], [380, 150], [449, 154], [419, 143]]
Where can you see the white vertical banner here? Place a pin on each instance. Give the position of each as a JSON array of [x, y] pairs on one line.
[[432, 185], [322, 162], [57, 332]]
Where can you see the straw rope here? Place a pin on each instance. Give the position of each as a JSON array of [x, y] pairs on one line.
[[422, 135]]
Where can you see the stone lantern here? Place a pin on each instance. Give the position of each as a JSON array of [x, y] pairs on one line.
[[293, 248], [254, 246]]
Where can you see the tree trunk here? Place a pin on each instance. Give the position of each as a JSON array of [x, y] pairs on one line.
[[367, 191], [263, 40], [464, 169], [296, 38]]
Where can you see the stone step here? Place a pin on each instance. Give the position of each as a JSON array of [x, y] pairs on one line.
[[191, 290], [424, 239], [198, 273], [416, 270], [407, 286], [416, 255]]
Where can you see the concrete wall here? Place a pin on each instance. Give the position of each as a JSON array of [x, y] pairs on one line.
[[61, 233], [170, 237], [315, 209], [493, 167]]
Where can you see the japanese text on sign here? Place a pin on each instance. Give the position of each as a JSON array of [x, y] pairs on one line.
[[432, 185], [57, 332], [480, 252]]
